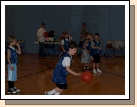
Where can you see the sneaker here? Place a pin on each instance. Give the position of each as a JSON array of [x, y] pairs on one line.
[[98, 70], [11, 91], [46, 93], [94, 71], [87, 68], [84, 68], [17, 90]]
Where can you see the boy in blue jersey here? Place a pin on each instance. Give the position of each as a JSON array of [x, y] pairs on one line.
[[12, 59], [96, 53], [62, 69], [65, 42]]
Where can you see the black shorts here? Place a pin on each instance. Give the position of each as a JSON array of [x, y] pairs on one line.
[[80, 44], [61, 86], [96, 58]]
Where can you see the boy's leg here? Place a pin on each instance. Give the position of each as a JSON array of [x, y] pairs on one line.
[[97, 65], [57, 90], [9, 84], [84, 66], [87, 66], [93, 65], [98, 70], [94, 70]]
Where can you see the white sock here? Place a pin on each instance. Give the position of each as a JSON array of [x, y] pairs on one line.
[[51, 92], [57, 93]]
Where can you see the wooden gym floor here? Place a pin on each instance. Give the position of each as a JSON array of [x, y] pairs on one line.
[[34, 76]]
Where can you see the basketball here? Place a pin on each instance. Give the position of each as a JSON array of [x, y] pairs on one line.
[[45, 34], [87, 76]]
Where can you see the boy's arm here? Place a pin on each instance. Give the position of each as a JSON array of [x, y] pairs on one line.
[[63, 48], [8, 56], [8, 59], [66, 63], [95, 47], [19, 50], [70, 37], [85, 44], [62, 43], [72, 72]]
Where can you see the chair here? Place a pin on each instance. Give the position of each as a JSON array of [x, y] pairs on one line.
[[119, 45], [110, 47]]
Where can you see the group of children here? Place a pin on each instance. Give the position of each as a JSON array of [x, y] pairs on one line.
[[90, 51]]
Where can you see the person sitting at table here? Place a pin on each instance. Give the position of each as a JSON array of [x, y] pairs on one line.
[[65, 42]]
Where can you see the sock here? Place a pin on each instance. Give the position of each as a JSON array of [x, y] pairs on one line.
[[51, 92], [57, 93]]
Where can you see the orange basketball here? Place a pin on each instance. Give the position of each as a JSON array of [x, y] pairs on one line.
[[45, 34], [87, 76]]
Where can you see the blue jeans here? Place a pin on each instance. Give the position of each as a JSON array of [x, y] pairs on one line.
[[41, 49]]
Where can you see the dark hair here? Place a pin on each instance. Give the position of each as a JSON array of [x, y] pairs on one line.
[[96, 34], [88, 34], [72, 45], [84, 24], [51, 33], [43, 24]]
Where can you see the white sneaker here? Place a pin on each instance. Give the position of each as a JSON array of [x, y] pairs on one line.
[[98, 70], [94, 71], [46, 93], [17, 90], [11, 91]]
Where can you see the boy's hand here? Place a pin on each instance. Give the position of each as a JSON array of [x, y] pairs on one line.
[[100, 48], [17, 44], [78, 74], [12, 68], [88, 51]]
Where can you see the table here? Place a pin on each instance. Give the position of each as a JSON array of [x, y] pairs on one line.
[[49, 43], [53, 48]]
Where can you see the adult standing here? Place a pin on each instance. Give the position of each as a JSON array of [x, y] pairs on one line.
[[82, 36], [41, 39]]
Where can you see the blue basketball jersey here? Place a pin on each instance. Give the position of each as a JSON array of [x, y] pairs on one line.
[[96, 44], [60, 72], [13, 55]]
